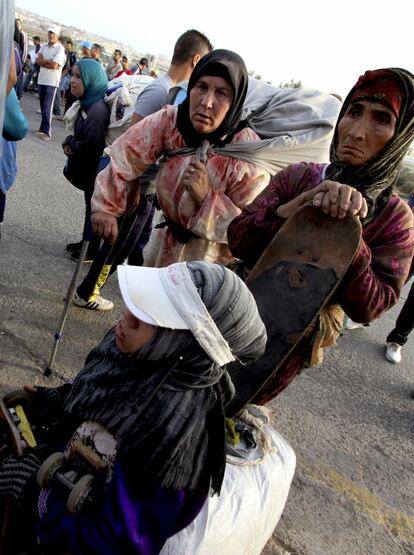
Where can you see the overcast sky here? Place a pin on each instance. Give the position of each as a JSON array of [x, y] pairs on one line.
[[318, 42]]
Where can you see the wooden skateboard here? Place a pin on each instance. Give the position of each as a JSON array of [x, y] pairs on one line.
[[291, 282]]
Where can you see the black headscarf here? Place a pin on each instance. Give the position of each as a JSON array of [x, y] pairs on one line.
[[375, 179], [164, 403], [231, 67]]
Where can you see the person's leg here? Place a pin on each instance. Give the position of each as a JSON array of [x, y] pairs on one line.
[[405, 321], [106, 261], [135, 257], [49, 98], [2, 208], [2, 205], [42, 96], [56, 103]]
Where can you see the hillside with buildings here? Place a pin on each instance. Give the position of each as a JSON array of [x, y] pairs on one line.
[[34, 24]]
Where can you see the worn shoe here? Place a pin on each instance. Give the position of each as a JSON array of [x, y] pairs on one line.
[[95, 303], [44, 137], [75, 257], [74, 247], [351, 325], [393, 353]]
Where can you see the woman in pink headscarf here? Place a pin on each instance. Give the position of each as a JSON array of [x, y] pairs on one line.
[[375, 128]]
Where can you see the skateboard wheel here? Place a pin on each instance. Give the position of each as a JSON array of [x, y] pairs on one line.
[[80, 493], [17, 397], [48, 469]]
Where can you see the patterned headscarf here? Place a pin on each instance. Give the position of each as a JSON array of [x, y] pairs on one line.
[[375, 178], [231, 67], [94, 80], [164, 403]]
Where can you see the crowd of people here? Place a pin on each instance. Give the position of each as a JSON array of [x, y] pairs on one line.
[[187, 314]]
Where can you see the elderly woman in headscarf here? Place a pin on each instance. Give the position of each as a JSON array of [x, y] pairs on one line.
[[199, 195], [158, 383], [85, 146], [374, 131]]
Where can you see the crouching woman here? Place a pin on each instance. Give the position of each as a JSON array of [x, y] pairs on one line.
[[158, 383]]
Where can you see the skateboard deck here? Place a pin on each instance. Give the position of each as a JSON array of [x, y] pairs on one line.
[[291, 282]]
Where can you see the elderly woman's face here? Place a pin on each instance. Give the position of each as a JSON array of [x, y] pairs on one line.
[[363, 131], [210, 100]]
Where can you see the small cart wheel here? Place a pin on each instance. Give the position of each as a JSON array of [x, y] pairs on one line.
[[48, 469], [80, 493], [17, 397]]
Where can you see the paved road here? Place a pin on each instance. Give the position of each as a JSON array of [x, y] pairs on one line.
[[349, 421]]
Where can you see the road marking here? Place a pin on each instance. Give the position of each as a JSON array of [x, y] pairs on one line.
[[397, 522]]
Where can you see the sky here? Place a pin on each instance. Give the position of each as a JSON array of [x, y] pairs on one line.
[[322, 43]]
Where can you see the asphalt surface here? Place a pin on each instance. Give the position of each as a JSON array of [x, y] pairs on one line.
[[349, 420]]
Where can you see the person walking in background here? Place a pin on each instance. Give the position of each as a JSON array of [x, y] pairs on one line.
[[51, 59], [404, 325], [96, 53], [37, 45], [86, 46], [21, 40], [84, 148], [114, 65], [142, 67]]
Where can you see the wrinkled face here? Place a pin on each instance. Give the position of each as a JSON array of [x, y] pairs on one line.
[[363, 131], [52, 37], [131, 333], [77, 87], [210, 100]]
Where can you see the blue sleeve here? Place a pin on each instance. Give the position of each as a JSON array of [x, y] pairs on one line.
[[15, 126], [135, 517], [8, 167]]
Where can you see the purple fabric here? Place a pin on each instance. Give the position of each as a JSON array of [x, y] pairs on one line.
[[135, 517]]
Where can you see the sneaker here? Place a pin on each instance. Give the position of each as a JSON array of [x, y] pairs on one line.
[[351, 325], [393, 353], [96, 302], [44, 137], [75, 257], [74, 247]]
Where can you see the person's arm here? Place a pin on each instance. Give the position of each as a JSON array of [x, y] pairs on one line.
[[377, 275], [15, 125], [136, 118], [151, 99], [250, 233], [216, 208], [12, 78], [129, 156]]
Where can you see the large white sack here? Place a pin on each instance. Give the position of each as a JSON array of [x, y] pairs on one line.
[[241, 520]]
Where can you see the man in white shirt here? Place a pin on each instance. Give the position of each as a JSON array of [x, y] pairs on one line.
[[51, 59]]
